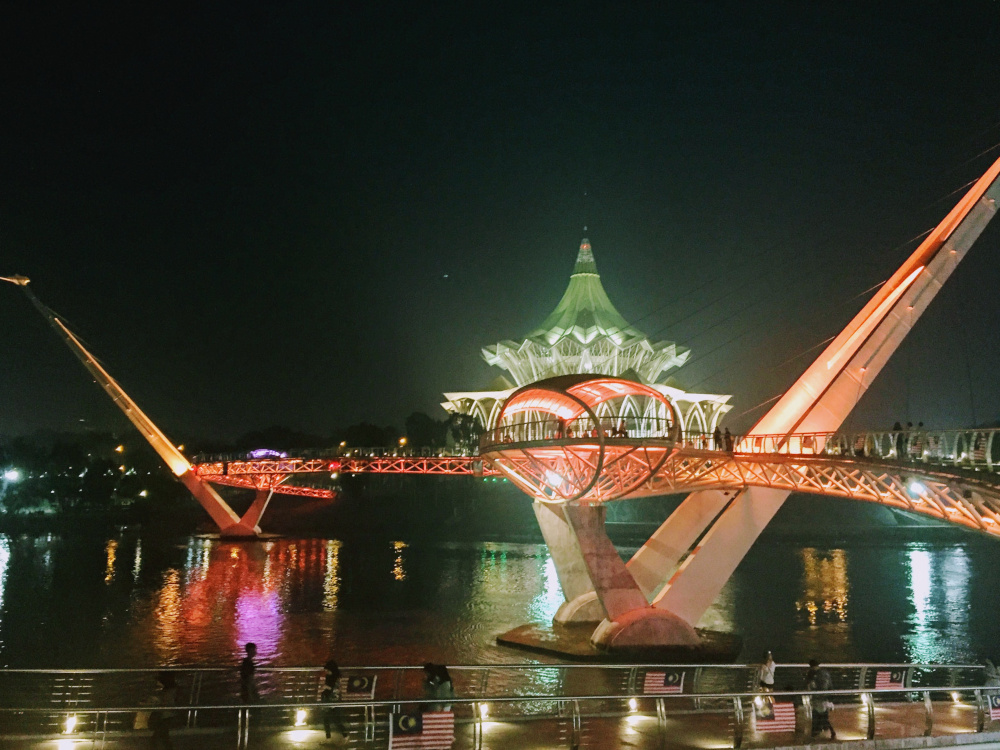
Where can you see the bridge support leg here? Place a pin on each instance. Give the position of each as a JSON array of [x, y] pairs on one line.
[[581, 604], [230, 525], [699, 580], [653, 563], [631, 621], [251, 518]]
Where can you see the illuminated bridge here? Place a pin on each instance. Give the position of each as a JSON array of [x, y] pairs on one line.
[[572, 445], [951, 475]]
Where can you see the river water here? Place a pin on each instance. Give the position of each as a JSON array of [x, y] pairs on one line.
[[134, 601]]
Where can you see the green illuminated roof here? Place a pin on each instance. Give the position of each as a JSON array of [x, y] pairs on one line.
[[585, 334]]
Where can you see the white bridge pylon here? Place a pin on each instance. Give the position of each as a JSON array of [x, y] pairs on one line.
[[662, 592]]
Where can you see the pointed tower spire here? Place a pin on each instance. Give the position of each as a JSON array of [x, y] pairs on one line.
[[585, 259]]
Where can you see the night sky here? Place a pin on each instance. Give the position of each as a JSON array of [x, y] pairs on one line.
[[316, 214]]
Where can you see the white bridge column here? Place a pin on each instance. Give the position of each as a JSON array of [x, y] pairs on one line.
[[654, 561], [581, 604], [631, 621], [699, 580]]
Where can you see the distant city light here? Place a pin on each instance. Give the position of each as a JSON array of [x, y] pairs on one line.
[[402, 441], [120, 449], [144, 493], [12, 475]]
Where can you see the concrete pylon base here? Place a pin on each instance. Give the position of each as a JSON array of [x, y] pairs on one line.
[[644, 628], [584, 608], [240, 531]]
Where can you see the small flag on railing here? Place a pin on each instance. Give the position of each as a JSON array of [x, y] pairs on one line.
[[432, 730], [995, 707], [357, 687], [663, 683], [888, 680], [775, 717]]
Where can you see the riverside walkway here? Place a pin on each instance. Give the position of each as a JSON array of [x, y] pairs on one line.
[[519, 706]]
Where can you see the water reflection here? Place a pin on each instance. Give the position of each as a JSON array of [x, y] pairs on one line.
[[137, 563], [110, 550], [69, 601], [939, 589], [331, 577], [544, 606], [398, 568], [824, 586], [4, 562]]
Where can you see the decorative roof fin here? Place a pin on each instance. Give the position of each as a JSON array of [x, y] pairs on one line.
[[585, 259]]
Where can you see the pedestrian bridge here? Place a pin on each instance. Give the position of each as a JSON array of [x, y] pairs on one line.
[[566, 441]]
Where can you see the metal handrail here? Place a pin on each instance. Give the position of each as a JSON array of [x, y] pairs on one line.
[[520, 699], [480, 667], [582, 428], [270, 716]]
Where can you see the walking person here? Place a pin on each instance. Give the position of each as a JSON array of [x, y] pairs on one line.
[[717, 437], [248, 675], [438, 686], [817, 678], [248, 694], [331, 694], [161, 717], [765, 675], [991, 677], [728, 439]]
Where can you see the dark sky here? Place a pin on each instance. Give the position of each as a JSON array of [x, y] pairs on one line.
[[313, 214]]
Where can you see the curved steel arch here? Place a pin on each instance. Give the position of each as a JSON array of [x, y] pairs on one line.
[[537, 461]]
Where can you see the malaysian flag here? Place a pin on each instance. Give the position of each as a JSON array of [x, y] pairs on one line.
[[431, 730], [888, 680], [775, 717], [663, 683], [995, 707], [358, 687]]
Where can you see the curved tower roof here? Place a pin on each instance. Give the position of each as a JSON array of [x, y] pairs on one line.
[[585, 334]]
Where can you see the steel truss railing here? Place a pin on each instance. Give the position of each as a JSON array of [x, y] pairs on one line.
[[582, 428], [547, 702], [976, 449], [275, 474], [959, 500]]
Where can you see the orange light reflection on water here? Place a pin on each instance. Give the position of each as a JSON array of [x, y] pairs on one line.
[[238, 592], [825, 586]]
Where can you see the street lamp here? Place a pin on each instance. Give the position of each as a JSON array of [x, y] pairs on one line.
[[12, 475]]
